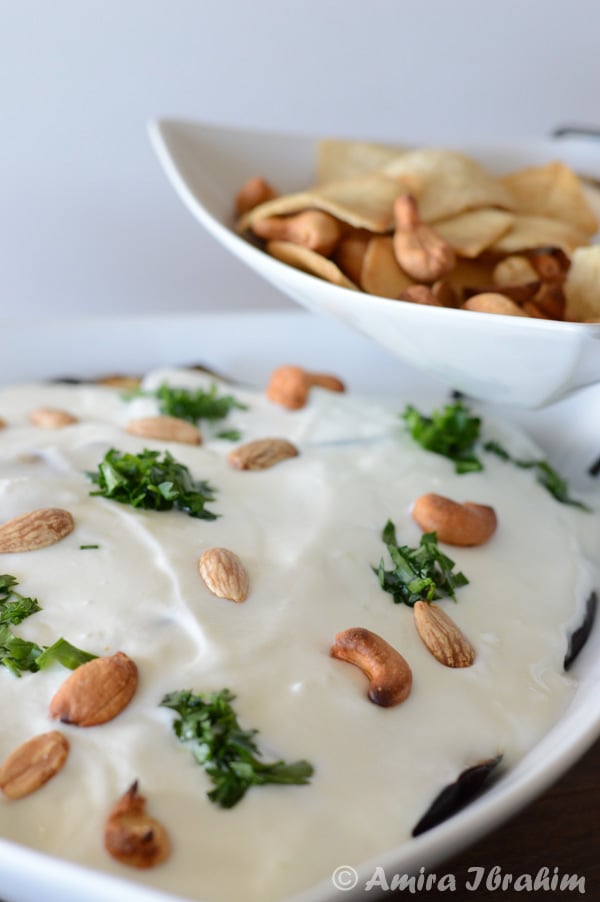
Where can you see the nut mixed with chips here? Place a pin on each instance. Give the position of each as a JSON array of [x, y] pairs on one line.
[[434, 227]]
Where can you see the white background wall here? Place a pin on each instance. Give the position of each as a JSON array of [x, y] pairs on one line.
[[87, 220]]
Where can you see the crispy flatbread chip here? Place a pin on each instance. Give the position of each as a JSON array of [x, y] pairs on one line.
[[470, 233], [529, 232], [338, 159], [446, 182], [469, 273], [381, 273], [582, 285], [309, 261], [366, 201], [554, 191], [350, 253]]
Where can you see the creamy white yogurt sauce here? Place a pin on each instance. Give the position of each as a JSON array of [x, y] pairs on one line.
[[308, 531]]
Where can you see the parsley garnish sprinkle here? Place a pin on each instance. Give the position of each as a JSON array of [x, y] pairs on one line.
[[191, 405], [226, 752], [144, 480], [419, 574], [19, 655], [545, 475], [230, 435], [451, 432], [14, 607], [87, 547]]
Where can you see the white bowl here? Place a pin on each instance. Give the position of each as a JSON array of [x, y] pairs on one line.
[[514, 360], [248, 349]]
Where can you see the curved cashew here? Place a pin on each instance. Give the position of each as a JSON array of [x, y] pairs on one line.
[[390, 677], [420, 251], [312, 228], [290, 385], [455, 523], [132, 836], [252, 193]]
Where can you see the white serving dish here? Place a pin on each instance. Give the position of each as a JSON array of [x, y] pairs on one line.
[[509, 360], [247, 348]]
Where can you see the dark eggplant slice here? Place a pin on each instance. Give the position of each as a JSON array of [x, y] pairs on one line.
[[456, 795], [594, 469], [578, 639]]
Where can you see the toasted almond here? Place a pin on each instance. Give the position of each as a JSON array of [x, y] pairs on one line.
[[33, 763], [51, 418], [3, 423], [442, 637], [35, 529], [132, 836], [165, 429], [224, 574], [261, 454], [96, 692]]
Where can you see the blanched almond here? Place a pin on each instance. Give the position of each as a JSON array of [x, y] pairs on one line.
[[442, 637], [165, 429], [33, 763], [261, 454], [224, 574], [35, 529], [96, 692], [51, 418]]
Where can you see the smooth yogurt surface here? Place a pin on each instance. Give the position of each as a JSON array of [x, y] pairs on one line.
[[309, 532]]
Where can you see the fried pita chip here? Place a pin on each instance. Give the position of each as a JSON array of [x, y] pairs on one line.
[[470, 272], [468, 234], [380, 273], [530, 232], [446, 183], [366, 201], [554, 191], [337, 159], [582, 285], [350, 253], [309, 261]]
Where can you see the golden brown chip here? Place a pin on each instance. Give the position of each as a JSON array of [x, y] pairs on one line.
[[492, 302], [582, 285], [380, 272], [554, 191], [530, 232], [470, 272], [366, 201], [472, 232], [339, 159], [309, 261], [514, 270], [350, 253], [446, 182]]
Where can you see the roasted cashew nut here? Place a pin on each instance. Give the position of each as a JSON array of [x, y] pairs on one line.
[[314, 229], [455, 523], [390, 677]]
